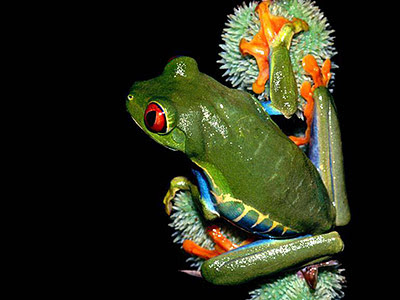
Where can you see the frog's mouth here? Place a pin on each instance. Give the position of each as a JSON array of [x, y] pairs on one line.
[[137, 123]]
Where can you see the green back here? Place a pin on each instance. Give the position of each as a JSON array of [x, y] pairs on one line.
[[227, 132]]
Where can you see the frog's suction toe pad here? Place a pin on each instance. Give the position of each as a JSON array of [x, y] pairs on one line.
[[182, 67]]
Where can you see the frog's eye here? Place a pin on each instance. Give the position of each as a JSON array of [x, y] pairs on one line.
[[155, 119], [130, 97]]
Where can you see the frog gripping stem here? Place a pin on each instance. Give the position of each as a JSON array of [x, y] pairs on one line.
[[270, 47], [273, 205], [259, 46]]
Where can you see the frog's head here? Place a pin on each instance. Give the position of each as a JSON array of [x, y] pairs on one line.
[[155, 105]]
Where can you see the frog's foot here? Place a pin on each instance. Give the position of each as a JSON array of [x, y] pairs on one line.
[[196, 250], [260, 51], [178, 184], [306, 93], [310, 273], [321, 77], [259, 46], [222, 244]]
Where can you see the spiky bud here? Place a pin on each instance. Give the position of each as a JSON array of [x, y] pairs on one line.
[[242, 71]]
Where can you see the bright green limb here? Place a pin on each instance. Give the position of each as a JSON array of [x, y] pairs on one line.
[[283, 87], [263, 259], [183, 184], [287, 32], [179, 184], [330, 157]]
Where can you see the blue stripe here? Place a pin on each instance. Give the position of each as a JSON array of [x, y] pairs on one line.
[[205, 191], [269, 109], [314, 149], [313, 153]]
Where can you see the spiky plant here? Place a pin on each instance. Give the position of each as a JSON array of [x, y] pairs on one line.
[[292, 287], [242, 71], [189, 224]]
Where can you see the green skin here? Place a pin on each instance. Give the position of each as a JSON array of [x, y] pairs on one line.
[[327, 128], [283, 88], [245, 156]]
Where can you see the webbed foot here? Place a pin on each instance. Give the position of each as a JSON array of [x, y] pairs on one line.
[[222, 244], [308, 110]]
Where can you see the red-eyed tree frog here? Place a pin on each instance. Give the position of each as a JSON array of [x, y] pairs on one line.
[[249, 172]]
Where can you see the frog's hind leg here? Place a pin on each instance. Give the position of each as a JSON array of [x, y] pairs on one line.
[[263, 258], [323, 135], [325, 152]]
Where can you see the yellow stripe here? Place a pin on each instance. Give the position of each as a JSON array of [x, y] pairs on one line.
[[245, 211], [274, 224], [284, 230], [259, 220], [223, 198]]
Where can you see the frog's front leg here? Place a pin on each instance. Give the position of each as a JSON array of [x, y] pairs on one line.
[[182, 184], [266, 257], [201, 198], [270, 47], [204, 201], [176, 185]]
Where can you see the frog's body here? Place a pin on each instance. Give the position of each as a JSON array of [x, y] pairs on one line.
[[254, 175]]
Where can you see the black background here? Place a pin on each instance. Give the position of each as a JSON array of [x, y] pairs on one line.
[[119, 239]]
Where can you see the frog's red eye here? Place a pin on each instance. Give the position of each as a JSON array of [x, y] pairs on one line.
[[155, 119]]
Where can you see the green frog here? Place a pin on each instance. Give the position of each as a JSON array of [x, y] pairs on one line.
[[249, 173]]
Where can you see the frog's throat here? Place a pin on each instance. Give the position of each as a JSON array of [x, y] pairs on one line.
[[250, 218]]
